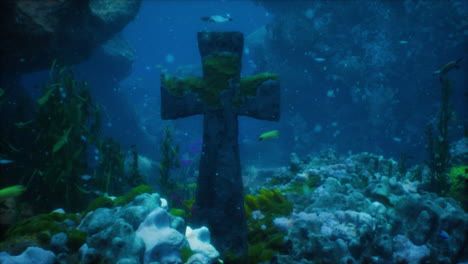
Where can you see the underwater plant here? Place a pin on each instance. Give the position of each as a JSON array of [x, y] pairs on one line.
[[67, 124], [437, 144], [459, 184], [111, 167], [67, 121], [169, 161], [264, 238], [135, 176]]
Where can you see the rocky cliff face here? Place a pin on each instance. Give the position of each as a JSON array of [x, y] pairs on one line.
[[34, 33]]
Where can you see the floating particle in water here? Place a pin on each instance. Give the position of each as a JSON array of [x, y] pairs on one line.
[[318, 59], [331, 93], [403, 42], [309, 13], [317, 128], [170, 58]]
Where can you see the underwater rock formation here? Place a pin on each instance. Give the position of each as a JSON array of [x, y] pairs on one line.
[[37, 32], [32, 255], [162, 242], [364, 210]]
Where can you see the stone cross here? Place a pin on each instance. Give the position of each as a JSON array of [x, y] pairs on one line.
[[221, 95]]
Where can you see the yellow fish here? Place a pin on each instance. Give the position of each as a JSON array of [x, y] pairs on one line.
[[269, 135], [11, 191]]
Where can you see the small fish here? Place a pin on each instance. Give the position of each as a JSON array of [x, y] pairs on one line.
[[12, 191], [217, 19], [447, 67], [5, 161], [444, 235], [269, 135], [86, 177], [319, 59], [23, 124]]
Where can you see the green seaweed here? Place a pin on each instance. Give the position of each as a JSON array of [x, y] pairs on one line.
[[306, 187], [63, 118], [111, 167], [263, 237], [459, 184], [169, 161], [186, 253]]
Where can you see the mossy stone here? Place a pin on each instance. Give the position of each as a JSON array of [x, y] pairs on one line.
[[100, 202], [76, 238], [130, 196], [41, 227]]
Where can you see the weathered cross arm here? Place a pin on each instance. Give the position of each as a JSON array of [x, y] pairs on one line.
[[177, 98], [260, 97]]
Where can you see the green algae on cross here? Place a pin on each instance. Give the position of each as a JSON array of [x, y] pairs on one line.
[[220, 70]]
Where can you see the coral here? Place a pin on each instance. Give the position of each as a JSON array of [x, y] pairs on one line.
[[199, 241], [405, 251], [343, 219], [162, 243], [111, 232]]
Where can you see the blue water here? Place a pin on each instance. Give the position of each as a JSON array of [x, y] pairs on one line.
[[383, 108]]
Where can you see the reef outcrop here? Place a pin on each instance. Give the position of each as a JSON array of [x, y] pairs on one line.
[[34, 33]]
